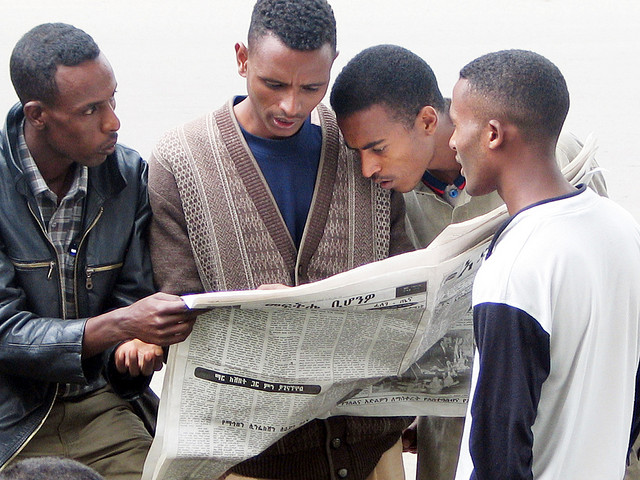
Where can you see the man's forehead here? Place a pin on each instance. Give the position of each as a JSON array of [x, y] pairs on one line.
[[459, 97], [368, 127], [87, 82], [274, 56], [269, 43], [457, 90]]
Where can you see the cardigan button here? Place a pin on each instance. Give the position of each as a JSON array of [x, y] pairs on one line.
[[343, 472], [336, 443]]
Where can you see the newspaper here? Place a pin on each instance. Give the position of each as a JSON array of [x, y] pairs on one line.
[[389, 338]]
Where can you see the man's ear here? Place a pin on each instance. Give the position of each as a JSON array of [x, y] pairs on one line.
[[34, 113], [427, 119], [242, 55], [495, 134]]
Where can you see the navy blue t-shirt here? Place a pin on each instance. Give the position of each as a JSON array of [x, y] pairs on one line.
[[290, 166]]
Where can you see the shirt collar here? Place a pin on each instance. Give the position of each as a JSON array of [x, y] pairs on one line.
[[35, 179], [579, 189], [438, 186]]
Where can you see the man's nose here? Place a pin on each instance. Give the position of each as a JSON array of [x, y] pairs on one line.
[[290, 104], [370, 166], [452, 142], [111, 122]]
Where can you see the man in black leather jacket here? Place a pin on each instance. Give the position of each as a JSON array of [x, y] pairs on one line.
[[75, 340]]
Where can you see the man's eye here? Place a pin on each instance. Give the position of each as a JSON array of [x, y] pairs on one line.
[[311, 89], [90, 110], [379, 149], [273, 86]]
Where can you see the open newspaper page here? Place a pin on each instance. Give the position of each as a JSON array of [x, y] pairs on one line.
[[261, 363]]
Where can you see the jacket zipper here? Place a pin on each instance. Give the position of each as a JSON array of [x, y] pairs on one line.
[[89, 283], [51, 264], [91, 270]]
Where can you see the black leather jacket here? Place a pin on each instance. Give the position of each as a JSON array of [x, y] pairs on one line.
[[38, 348]]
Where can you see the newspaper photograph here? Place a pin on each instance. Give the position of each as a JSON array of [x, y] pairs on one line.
[[393, 337], [438, 382]]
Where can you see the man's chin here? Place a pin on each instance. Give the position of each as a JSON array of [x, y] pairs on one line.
[[405, 187], [95, 160], [476, 192]]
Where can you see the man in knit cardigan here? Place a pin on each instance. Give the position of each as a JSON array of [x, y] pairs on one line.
[[264, 191]]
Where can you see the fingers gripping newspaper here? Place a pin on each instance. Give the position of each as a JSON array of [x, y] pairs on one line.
[[389, 338]]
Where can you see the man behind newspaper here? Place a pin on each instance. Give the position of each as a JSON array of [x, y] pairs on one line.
[[263, 191]]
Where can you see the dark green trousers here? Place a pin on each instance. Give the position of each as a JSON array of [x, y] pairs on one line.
[[99, 430]]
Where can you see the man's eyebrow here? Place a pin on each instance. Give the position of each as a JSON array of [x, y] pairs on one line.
[[273, 80], [269, 79], [366, 147], [315, 84], [372, 144]]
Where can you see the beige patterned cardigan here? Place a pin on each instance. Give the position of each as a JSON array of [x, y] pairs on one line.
[[216, 226]]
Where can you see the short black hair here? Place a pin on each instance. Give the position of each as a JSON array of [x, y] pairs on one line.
[[38, 53], [303, 25], [524, 87], [386, 75], [49, 468]]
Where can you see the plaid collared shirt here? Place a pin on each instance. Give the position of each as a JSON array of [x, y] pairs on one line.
[[62, 222]]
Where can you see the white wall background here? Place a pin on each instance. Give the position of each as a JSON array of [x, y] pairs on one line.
[[174, 60]]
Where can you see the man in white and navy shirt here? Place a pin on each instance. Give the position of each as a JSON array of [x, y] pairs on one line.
[[557, 299]]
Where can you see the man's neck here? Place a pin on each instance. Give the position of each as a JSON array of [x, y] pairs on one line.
[[57, 172], [446, 176], [531, 182], [445, 158]]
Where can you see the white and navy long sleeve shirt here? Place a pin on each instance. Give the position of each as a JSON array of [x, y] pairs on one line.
[[557, 326]]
